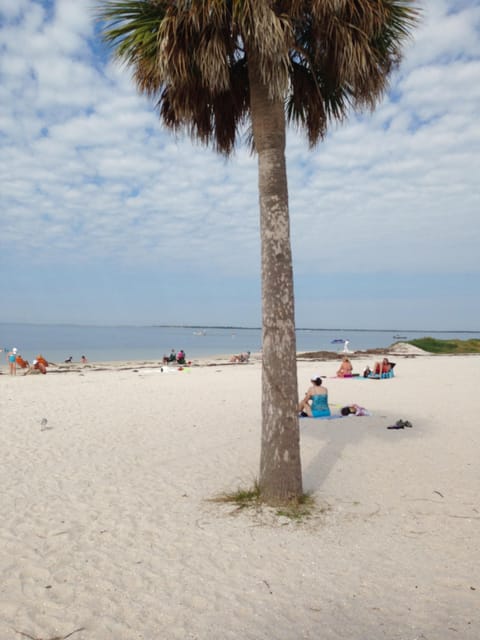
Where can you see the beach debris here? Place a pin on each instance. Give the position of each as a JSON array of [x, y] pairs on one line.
[[27, 635], [267, 585], [400, 424], [440, 494], [43, 425]]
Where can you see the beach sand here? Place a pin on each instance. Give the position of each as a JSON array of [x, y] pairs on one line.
[[108, 531]]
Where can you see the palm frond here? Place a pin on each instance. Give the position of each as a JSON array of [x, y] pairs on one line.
[[323, 57], [350, 48], [131, 29]]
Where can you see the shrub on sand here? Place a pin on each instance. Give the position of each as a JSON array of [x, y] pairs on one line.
[[432, 345]]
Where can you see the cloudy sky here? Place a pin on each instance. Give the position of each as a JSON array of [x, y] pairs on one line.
[[108, 218]]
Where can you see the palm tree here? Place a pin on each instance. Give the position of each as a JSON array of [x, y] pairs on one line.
[[214, 65]]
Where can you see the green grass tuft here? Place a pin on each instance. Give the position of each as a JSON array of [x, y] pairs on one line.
[[242, 498], [298, 509], [432, 345]]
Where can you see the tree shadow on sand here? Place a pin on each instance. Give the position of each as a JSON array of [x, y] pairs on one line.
[[334, 435]]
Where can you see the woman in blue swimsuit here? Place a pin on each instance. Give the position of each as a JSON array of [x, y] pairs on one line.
[[315, 402], [12, 361]]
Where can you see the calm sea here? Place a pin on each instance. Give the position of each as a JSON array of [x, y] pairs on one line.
[[58, 342]]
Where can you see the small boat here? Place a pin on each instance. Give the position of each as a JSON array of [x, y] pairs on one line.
[[399, 337], [200, 333]]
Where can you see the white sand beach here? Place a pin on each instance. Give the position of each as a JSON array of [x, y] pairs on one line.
[[107, 531]]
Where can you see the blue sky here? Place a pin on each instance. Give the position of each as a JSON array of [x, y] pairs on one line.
[[108, 218]]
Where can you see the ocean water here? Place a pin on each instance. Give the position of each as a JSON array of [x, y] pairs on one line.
[[101, 343]]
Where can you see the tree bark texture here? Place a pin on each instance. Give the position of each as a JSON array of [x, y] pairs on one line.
[[280, 465]]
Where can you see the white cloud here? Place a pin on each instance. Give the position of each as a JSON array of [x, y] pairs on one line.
[[87, 170], [447, 31]]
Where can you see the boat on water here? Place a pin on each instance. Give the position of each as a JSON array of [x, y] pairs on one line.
[[200, 333], [399, 337]]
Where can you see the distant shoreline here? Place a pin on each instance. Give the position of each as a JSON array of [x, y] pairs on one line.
[[58, 343], [229, 327], [401, 350]]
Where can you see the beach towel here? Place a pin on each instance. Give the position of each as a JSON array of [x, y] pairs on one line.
[[380, 376]]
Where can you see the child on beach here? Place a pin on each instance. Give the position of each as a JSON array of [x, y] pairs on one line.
[[354, 409]]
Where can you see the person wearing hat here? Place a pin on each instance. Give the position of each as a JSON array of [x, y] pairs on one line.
[[12, 361], [315, 402]]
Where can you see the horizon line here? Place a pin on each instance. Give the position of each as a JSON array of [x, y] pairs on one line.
[[238, 327]]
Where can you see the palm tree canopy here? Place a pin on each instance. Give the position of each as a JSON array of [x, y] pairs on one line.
[[322, 57]]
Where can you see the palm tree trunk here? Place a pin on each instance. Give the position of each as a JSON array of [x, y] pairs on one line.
[[280, 466]]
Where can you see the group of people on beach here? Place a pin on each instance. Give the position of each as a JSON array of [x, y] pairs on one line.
[[175, 357], [69, 360], [382, 368], [240, 357], [38, 364], [14, 359], [315, 402]]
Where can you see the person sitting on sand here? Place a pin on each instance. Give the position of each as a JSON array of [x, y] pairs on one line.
[[83, 360], [181, 357], [40, 364], [171, 358], [241, 357], [346, 369], [68, 360], [383, 367], [315, 402], [23, 364], [355, 410]]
